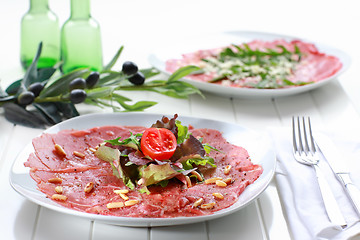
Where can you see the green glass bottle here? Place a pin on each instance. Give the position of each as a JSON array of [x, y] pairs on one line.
[[40, 24], [81, 39]]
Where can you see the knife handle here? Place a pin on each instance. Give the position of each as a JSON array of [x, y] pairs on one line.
[[352, 190], [330, 203]]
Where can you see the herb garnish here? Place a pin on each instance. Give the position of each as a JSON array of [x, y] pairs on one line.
[[265, 69], [55, 102]]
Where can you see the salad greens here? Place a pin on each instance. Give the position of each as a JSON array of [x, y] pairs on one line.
[[147, 171]]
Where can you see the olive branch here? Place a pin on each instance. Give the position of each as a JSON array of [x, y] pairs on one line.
[[45, 97]]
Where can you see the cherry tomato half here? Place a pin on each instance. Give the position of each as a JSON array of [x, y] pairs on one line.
[[158, 143]]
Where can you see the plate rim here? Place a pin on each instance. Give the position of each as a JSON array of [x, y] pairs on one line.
[[132, 221], [158, 62]]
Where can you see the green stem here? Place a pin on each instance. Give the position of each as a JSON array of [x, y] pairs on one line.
[[59, 98], [140, 87]]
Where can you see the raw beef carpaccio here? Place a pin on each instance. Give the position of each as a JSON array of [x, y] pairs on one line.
[[314, 66], [75, 178]]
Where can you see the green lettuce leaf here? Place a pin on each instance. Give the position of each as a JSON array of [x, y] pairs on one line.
[[183, 132], [153, 174], [202, 161]]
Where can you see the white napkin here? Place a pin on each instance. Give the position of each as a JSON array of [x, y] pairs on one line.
[[300, 195]]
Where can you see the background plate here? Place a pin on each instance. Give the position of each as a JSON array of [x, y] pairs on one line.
[[258, 146], [195, 43]]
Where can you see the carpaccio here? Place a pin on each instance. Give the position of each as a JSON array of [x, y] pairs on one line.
[[313, 67], [65, 177]]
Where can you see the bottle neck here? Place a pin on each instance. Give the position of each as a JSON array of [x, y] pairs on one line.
[[39, 5], [80, 9]]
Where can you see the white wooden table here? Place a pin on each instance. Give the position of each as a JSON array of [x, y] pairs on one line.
[[142, 25]]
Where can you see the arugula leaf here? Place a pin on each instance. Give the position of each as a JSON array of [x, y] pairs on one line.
[[132, 141], [208, 148]]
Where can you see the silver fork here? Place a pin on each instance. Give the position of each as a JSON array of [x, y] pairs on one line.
[[305, 152]]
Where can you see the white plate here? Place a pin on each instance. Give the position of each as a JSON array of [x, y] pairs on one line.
[[224, 39], [259, 148]]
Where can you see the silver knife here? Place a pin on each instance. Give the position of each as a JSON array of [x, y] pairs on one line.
[[339, 167]]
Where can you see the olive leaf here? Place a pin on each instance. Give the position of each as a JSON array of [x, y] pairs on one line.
[[32, 73], [19, 115], [60, 86], [182, 72], [114, 59]]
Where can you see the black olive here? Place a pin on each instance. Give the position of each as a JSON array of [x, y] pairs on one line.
[[77, 83], [77, 96], [129, 68], [92, 79], [36, 88], [137, 79], [26, 98]]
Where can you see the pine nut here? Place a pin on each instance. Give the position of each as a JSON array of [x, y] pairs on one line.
[[212, 180], [197, 175], [92, 149], [59, 189], [218, 195], [79, 154], [55, 180], [131, 203], [89, 187], [141, 181], [198, 202], [123, 196], [227, 169], [220, 183], [227, 180], [113, 205], [207, 205], [59, 150], [123, 191], [188, 181], [59, 197]]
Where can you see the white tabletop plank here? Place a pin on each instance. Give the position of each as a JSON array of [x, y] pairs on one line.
[[18, 216], [189, 231], [237, 225], [102, 231]]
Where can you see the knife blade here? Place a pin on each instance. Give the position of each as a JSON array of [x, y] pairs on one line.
[[339, 167]]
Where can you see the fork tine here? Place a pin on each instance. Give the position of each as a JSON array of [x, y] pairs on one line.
[[313, 148], [294, 135], [307, 149], [301, 146]]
